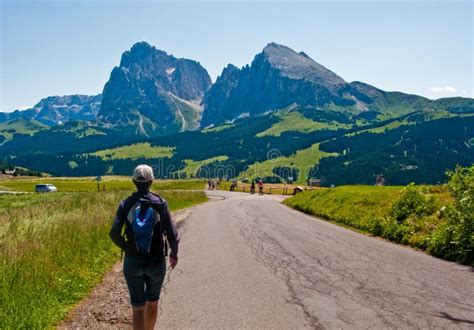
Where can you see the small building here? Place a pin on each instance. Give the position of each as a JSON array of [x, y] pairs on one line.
[[9, 172], [313, 182]]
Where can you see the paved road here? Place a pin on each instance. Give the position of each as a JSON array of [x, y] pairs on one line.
[[250, 262]]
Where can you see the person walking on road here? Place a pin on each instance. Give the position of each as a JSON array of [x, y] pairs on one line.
[[260, 187], [252, 187], [148, 229]]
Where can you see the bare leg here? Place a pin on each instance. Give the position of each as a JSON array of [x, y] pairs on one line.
[[151, 314], [139, 317]]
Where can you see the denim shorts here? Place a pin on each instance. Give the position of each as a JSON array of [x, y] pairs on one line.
[[144, 277]]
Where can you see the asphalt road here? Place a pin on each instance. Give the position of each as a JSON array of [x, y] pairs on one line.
[[250, 262]]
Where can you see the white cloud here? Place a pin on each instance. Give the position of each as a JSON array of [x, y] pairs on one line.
[[443, 89]]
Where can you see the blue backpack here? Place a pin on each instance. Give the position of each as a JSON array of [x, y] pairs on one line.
[[143, 218]]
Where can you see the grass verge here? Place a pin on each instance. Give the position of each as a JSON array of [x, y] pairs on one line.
[[54, 248], [432, 218]]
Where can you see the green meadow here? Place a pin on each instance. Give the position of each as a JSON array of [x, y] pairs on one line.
[[90, 184], [135, 151], [295, 121], [54, 248], [192, 166], [302, 160]]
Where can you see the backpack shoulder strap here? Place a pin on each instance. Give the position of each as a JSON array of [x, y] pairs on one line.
[[128, 205]]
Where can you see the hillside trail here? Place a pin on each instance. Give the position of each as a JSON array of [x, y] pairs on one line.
[[108, 304]]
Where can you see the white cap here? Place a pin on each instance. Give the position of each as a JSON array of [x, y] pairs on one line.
[[143, 173]]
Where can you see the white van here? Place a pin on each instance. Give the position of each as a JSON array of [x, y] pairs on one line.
[[45, 187]]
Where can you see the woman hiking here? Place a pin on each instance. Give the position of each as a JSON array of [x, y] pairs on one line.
[[148, 226]]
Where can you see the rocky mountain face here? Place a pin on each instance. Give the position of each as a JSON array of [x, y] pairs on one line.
[[277, 77], [55, 110], [154, 93]]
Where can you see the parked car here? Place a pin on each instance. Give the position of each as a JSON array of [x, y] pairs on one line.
[[45, 187]]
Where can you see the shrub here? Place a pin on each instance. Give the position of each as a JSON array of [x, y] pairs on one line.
[[454, 239], [413, 203]]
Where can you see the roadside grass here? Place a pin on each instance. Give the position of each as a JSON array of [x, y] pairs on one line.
[[411, 215], [54, 248], [356, 206], [89, 184]]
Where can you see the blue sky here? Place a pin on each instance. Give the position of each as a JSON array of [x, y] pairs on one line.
[[69, 47]]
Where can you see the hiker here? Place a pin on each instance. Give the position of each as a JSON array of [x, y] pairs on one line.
[[148, 228], [209, 184], [233, 185], [252, 187], [260, 187]]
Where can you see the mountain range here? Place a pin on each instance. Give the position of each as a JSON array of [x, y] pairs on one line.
[[56, 110], [283, 100]]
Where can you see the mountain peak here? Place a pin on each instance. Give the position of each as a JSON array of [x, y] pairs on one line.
[[274, 45], [157, 91], [299, 65], [141, 45]]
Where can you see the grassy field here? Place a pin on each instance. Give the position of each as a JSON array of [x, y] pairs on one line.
[[303, 160], [54, 248], [192, 166], [135, 151], [425, 217], [295, 121], [89, 184]]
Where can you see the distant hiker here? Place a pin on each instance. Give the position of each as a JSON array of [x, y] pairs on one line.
[[233, 185], [252, 187], [209, 184], [260, 187], [148, 228], [213, 185]]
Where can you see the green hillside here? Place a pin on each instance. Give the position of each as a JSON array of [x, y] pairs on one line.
[[294, 121], [135, 151], [338, 147], [19, 126]]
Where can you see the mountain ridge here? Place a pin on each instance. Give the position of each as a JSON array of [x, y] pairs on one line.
[[54, 110]]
